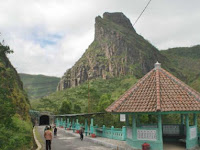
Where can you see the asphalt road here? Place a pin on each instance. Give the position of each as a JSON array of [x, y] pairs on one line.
[[65, 141]]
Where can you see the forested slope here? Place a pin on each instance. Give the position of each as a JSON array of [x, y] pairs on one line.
[[38, 86], [15, 124]]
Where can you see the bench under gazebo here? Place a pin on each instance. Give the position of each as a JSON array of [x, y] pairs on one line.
[[159, 93]]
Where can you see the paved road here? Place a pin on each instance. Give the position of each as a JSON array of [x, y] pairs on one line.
[[65, 141]]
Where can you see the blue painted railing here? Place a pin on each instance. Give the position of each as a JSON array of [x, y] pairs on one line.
[[111, 133]]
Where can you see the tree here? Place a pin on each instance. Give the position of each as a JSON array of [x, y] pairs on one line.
[[77, 108], [65, 107], [104, 102], [4, 48]]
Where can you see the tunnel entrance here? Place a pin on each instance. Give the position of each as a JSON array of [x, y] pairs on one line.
[[44, 120]]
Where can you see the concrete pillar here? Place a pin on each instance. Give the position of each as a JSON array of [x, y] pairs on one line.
[[138, 120], [195, 119], [73, 125], [61, 122], [182, 125], [77, 124], [160, 135], [112, 131], [92, 126], [182, 119], [187, 130], [127, 120], [86, 127], [134, 134], [160, 128], [67, 122], [104, 129], [124, 133], [58, 122], [192, 141]]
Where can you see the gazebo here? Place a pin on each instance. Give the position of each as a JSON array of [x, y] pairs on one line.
[[159, 93]]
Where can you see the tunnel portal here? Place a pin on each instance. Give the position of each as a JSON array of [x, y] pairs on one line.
[[44, 120]]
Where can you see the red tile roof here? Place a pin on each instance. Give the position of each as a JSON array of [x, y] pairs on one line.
[[157, 91]]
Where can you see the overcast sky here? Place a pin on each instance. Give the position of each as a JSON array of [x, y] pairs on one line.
[[49, 36]]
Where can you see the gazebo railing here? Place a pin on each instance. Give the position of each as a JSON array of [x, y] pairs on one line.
[[173, 129], [168, 129], [147, 133], [111, 133]]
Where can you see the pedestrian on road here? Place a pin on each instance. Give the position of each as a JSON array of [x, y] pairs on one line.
[[45, 128], [48, 137], [81, 133], [55, 131]]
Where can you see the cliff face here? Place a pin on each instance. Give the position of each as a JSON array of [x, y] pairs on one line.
[[12, 87], [116, 50], [15, 123]]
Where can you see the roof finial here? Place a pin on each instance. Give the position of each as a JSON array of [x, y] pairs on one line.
[[157, 65]]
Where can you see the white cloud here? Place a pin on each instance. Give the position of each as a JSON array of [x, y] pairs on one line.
[[49, 36]]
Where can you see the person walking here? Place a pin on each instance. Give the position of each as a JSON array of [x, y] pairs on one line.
[[45, 128], [81, 133], [48, 138], [55, 131]]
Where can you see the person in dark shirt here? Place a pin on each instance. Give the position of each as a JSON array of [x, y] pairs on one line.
[[55, 131], [81, 133]]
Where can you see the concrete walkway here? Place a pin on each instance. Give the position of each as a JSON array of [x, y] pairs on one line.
[[121, 145], [114, 144], [67, 141]]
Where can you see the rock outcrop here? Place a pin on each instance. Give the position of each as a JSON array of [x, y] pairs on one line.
[[117, 50]]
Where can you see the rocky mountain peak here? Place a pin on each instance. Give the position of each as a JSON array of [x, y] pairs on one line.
[[118, 18], [117, 50], [109, 22]]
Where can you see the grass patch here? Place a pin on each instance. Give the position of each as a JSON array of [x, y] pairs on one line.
[[39, 138]]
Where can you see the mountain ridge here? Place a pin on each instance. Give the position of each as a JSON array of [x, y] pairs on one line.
[[38, 86], [117, 50]]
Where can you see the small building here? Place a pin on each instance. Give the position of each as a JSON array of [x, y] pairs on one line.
[[157, 94]]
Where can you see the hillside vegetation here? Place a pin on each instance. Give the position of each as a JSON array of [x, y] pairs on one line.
[[102, 94], [38, 86], [184, 63], [15, 124], [187, 61]]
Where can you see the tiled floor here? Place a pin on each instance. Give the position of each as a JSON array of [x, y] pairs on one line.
[[174, 146]]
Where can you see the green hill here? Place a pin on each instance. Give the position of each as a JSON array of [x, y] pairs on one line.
[[117, 50], [102, 94], [15, 124], [186, 60], [118, 53], [38, 86]]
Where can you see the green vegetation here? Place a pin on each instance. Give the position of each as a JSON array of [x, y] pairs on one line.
[[181, 62], [15, 125], [65, 107], [39, 138], [38, 86], [102, 93], [186, 61]]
